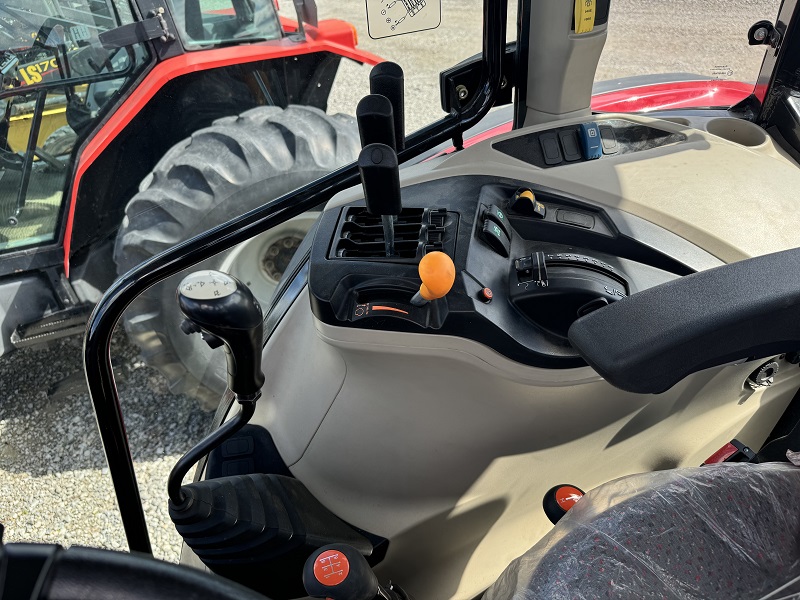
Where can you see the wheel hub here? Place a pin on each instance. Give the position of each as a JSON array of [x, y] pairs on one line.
[[278, 254]]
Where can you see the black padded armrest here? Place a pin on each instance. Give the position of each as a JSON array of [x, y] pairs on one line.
[[649, 341]]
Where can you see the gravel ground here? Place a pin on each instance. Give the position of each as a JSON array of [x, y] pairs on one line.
[[54, 486]]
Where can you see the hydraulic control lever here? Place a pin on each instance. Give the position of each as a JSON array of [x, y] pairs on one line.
[[375, 118], [387, 79], [380, 177], [340, 572], [438, 274], [225, 312]]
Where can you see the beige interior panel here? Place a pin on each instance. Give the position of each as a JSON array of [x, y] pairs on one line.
[[447, 448]]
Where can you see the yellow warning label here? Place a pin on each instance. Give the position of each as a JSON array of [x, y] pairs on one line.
[[584, 15]]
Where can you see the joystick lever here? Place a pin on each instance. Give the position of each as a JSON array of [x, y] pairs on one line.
[[225, 312], [340, 572], [438, 274], [380, 177]]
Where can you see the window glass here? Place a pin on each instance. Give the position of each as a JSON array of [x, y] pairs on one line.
[[57, 78], [205, 22]]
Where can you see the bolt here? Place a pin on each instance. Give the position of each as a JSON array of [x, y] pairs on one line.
[[503, 83], [462, 92], [760, 34]]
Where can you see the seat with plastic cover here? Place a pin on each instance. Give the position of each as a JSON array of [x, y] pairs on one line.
[[719, 531]]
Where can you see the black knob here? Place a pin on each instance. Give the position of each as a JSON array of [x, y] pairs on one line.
[[376, 121], [339, 572], [380, 177], [386, 79], [222, 307]]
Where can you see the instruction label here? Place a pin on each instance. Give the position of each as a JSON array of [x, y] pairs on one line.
[[387, 18], [584, 15]]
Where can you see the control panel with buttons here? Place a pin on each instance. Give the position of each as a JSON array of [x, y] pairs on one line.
[[593, 140]]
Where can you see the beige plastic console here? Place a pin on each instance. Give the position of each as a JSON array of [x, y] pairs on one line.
[[447, 448]]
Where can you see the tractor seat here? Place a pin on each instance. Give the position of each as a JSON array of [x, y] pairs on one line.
[[730, 530]]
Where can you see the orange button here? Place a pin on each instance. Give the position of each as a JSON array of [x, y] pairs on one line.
[[567, 496], [331, 568]]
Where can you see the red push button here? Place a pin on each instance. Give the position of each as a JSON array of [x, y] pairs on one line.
[[567, 496], [559, 499]]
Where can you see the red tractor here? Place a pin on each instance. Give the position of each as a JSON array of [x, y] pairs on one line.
[[129, 127]]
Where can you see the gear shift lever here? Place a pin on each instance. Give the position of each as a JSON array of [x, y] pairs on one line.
[[224, 311], [380, 177]]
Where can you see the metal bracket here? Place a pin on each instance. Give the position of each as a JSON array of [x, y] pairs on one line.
[[152, 28], [764, 33], [459, 83]]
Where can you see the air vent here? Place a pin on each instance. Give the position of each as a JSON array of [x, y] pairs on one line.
[[417, 231]]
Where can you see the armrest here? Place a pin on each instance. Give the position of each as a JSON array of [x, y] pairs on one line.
[[649, 341]]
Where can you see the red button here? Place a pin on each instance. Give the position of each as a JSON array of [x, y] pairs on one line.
[[486, 294], [331, 567], [567, 496]]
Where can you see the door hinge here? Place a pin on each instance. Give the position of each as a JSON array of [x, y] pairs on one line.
[[154, 27]]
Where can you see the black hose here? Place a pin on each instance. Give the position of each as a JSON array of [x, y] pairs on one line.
[[211, 441]]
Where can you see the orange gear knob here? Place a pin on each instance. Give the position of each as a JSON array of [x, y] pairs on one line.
[[438, 273]]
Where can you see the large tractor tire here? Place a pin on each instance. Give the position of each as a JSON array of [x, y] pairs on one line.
[[220, 172]]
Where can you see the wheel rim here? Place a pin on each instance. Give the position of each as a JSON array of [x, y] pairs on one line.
[[260, 261]]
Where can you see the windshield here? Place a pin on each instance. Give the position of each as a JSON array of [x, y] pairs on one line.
[[683, 40]]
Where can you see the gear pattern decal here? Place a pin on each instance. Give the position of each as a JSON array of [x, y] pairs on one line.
[[387, 18]]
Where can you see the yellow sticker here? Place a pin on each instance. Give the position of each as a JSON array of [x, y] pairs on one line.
[[584, 15]]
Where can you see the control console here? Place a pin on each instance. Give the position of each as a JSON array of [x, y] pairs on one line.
[[528, 262]]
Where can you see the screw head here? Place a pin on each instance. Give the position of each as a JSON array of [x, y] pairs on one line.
[[760, 34], [462, 92]]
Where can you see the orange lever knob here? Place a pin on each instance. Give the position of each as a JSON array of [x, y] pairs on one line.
[[438, 274]]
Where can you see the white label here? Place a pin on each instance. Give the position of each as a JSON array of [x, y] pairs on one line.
[[387, 18], [207, 285]]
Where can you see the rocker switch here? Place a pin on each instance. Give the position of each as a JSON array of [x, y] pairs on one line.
[[500, 218], [494, 236]]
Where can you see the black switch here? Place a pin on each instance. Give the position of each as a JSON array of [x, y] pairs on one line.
[[494, 213], [609, 139], [550, 148], [570, 145], [494, 236], [524, 268], [524, 264], [570, 217]]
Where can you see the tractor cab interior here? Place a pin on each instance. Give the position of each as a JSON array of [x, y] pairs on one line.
[[528, 298]]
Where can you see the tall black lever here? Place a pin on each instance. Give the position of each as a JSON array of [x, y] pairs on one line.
[[380, 177], [376, 121], [224, 311], [386, 79]]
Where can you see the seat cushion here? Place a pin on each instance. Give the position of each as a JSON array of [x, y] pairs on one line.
[[730, 530]]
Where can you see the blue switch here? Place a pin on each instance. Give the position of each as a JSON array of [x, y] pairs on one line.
[[591, 142]]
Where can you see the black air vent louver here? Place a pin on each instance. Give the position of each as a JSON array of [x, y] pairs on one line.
[[417, 231]]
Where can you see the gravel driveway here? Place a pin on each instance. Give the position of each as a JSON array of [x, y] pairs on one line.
[[54, 486]]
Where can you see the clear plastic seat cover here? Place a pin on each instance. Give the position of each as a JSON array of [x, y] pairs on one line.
[[719, 531]]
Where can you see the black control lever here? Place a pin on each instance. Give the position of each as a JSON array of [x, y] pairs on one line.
[[376, 121], [224, 311], [340, 572], [386, 79], [380, 177]]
